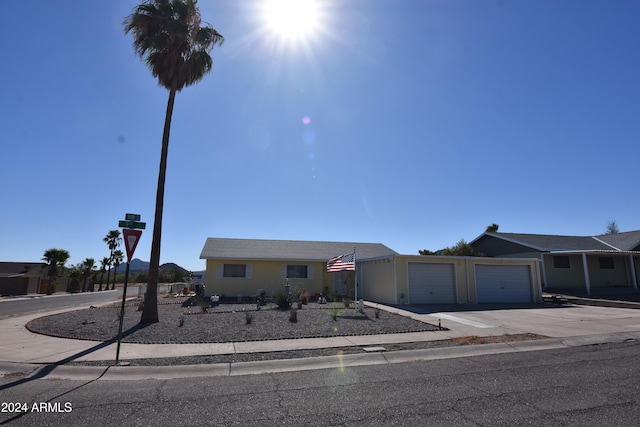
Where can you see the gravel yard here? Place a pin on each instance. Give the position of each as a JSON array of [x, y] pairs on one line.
[[182, 321]]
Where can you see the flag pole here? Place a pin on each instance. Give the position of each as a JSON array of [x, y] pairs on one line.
[[355, 274]]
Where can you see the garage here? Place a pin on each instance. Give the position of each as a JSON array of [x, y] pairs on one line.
[[503, 283], [431, 283]]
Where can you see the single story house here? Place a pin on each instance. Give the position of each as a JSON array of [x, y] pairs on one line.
[[21, 278], [572, 262], [244, 267]]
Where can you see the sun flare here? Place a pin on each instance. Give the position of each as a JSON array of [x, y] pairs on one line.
[[292, 19]]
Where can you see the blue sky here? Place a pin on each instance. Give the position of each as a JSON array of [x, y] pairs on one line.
[[412, 123]]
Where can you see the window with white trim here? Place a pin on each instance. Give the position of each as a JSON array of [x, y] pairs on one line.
[[561, 261], [243, 271], [606, 263], [296, 271]]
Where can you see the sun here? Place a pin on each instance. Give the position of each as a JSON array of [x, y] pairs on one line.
[[292, 19]]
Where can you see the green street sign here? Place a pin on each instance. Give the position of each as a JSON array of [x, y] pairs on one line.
[[132, 217], [132, 224]]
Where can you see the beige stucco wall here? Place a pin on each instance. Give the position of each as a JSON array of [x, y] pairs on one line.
[[377, 280], [267, 276], [572, 277], [605, 278]]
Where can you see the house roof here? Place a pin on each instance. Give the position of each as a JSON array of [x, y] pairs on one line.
[[288, 250], [627, 241]]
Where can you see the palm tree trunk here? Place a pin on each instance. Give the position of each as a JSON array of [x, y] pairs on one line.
[[150, 310], [106, 288], [115, 273]]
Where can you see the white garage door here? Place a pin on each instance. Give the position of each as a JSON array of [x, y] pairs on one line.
[[431, 283], [503, 283]]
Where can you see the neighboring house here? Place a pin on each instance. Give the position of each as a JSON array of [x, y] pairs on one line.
[[572, 262], [244, 267], [21, 278]]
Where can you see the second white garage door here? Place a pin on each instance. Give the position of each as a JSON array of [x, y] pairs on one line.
[[503, 283], [431, 283]]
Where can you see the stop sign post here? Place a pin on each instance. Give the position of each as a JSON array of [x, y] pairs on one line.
[[131, 232]]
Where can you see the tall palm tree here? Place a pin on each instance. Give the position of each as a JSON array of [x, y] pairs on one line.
[[88, 266], [104, 264], [118, 256], [112, 239], [169, 36], [55, 259]]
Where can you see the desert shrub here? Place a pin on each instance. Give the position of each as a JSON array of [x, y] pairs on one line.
[[204, 307], [347, 302], [283, 300], [293, 316], [334, 314], [181, 322]]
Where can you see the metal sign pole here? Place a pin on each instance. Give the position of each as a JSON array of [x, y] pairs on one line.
[[124, 297]]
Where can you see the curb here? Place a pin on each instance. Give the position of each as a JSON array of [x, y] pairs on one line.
[[124, 373]]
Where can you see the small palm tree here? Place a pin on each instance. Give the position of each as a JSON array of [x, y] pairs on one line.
[[169, 36], [88, 266], [74, 273], [55, 259], [104, 264], [118, 256], [112, 239]]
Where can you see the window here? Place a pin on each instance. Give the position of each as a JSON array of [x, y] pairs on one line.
[[606, 263], [234, 270], [297, 272], [561, 262]]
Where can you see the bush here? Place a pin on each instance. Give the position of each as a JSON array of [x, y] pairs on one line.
[[283, 300], [293, 316]]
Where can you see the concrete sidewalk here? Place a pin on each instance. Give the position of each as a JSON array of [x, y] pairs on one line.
[[25, 352]]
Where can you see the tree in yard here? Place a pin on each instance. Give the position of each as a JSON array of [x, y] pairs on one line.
[[74, 273], [169, 36], [612, 227], [493, 228], [104, 264], [118, 256], [112, 239], [55, 259], [426, 252], [462, 248], [88, 266]]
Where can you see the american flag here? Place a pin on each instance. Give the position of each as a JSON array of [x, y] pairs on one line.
[[342, 263]]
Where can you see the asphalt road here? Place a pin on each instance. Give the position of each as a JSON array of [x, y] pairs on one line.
[[31, 304], [580, 386]]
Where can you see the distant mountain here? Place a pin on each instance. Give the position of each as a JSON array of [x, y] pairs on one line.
[[137, 266]]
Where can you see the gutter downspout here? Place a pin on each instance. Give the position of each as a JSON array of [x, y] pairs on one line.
[[545, 283], [634, 279], [587, 281], [395, 280], [466, 261]]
